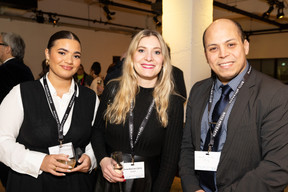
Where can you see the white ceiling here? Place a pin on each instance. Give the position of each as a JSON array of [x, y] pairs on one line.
[[256, 7]]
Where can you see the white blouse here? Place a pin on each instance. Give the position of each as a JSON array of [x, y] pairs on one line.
[[14, 154]]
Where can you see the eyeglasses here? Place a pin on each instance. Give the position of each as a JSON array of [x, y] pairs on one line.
[[3, 44]]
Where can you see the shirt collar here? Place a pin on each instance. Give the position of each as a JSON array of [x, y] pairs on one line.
[[8, 59], [235, 81], [53, 90]]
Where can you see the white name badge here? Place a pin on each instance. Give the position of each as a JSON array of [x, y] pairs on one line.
[[135, 171], [205, 161], [66, 149]]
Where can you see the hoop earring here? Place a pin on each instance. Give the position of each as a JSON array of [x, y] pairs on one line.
[[47, 62]]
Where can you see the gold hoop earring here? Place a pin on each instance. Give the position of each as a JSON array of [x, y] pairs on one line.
[[47, 62]]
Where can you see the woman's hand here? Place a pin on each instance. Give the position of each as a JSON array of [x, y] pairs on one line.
[[84, 164], [51, 165], [108, 171]]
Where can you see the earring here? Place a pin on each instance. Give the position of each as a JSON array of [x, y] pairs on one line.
[[47, 62]]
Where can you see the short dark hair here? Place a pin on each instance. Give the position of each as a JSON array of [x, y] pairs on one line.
[[61, 35], [96, 67], [239, 28]]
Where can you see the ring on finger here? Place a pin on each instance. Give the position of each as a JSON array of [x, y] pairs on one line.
[[55, 168]]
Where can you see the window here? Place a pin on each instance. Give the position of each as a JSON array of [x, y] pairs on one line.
[[277, 67]]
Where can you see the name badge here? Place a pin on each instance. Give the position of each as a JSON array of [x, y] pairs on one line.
[[134, 171], [205, 161], [66, 149]]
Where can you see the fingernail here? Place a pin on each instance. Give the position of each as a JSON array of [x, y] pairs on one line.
[[124, 180], [122, 176], [70, 167]]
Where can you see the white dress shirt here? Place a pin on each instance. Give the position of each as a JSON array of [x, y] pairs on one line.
[[14, 154]]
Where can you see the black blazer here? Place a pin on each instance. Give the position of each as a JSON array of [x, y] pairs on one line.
[[12, 73], [255, 154]]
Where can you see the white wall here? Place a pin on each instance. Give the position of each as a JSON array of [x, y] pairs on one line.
[[98, 46], [268, 46]]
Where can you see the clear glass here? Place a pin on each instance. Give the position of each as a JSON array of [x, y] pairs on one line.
[[118, 157], [68, 151]]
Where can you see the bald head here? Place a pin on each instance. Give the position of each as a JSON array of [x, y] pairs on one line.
[[228, 22], [225, 49]]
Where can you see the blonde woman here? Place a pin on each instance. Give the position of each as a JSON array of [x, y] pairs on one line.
[[141, 116]]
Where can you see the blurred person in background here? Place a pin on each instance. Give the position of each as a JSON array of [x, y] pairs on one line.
[[82, 77], [12, 72], [97, 84]]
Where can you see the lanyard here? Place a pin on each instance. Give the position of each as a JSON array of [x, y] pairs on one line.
[[54, 112], [142, 126], [223, 114]]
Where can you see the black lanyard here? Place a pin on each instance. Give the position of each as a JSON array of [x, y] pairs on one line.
[[142, 126], [53, 109], [224, 113]]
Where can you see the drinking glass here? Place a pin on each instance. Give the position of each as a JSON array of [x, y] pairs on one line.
[[71, 153], [117, 156]]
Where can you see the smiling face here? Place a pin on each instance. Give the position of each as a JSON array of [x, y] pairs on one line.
[[225, 52], [64, 58], [148, 61]]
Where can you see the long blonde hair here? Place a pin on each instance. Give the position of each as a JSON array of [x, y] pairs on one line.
[[128, 85]]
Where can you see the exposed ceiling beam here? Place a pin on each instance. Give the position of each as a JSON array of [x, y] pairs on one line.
[[248, 14], [107, 2], [265, 31]]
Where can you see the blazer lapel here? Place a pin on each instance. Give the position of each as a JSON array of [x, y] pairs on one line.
[[201, 104], [238, 109]]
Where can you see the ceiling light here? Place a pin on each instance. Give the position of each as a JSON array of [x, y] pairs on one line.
[[39, 17], [155, 19], [52, 19], [280, 13], [108, 12], [267, 13], [278, 4]]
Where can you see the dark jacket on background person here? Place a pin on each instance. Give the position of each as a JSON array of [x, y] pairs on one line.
[[13, 72]]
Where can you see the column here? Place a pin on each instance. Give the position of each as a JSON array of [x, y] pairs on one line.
[[183, 24]]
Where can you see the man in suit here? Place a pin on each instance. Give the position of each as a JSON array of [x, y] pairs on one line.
[[251, 133], [12, 72]]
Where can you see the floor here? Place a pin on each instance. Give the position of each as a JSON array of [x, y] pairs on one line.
[[1, 188], [176, 187]]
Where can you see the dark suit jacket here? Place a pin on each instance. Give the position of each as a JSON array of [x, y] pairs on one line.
[[179, 81], [12, 73], [255, 154]]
